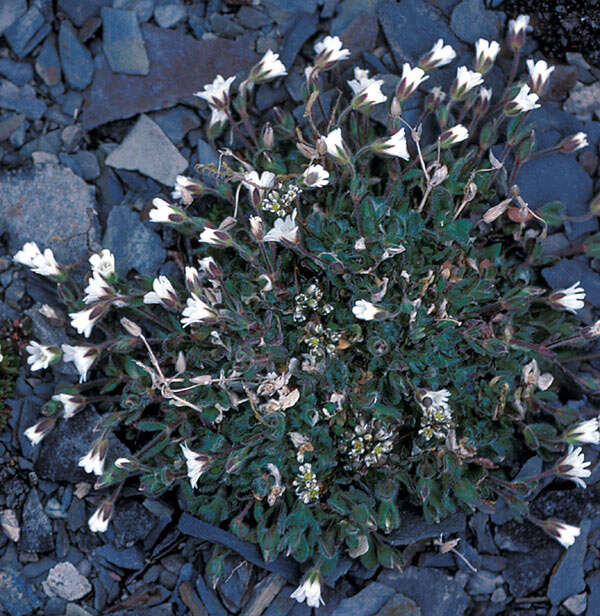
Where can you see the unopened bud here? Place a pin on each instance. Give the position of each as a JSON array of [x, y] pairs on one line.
[[434, 99], [180, 364], [55, 317], [257, 228], [131, 327], [395, 108], [306, 150], [573, 142], [440, 174], [321, 146], [267, 136], [454, 135]]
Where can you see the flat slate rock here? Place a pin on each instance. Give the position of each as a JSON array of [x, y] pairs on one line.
[[79, 11], [17, 597], [23, 30], [123, 44], [148, 150], [48, 205], [76, 60], [365, 603], [10, 12], [65, 581], [36, 528], [47, 64], [179, 66], [413, 527], [433, 591], [22, 100], [399, 605], [471, 21], [134, 243]]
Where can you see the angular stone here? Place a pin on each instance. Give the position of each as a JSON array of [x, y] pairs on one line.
[[302, 29], [130, 558], [179, 66], [36, 528], [577, 604], [65, 581], [574, 270], [9, 125], [23, 30], [79, 11], [169, 15], [562, 80], [10, 12], [365, 603], [176, 122], [19, 73], [361, 34], [433, 591], [122, 42], [593, 581], [143, 8], [471, 21], [146, 136], [17, 597], [76, 60], [399, 605], [583, 99], [22, 100], [47, 64], [131, 523], [567, 578], [413, 527], [138, 248]]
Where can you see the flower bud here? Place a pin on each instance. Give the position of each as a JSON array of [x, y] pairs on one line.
[[307, 151], [395, 108], [211, 267], [453, 135], [434, 99], [131, 327], [516, 32], [54, 316], [267, 136], [482, 102], [257, 228], [573, 142]]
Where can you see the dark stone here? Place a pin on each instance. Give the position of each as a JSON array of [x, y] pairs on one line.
[[301, 30], [179, 66], [47, 64], [252, 18], [433, 591], [593, 581], [143, 8], [46, 205], [361, 34], [412, 27], [236, 585], [176, 122], [122, 42], [574, 270], [9, 125], [79, 11], [134, 243], [399, 605], [22, 100], [36, 528], [285, 13], [413, 527], [131, 523], [23, 30], [554, 244], [69, 441], [562, 80], [168, 15], [348, 11], [19, 73], [526, 572], [365, 603], [567, 578], [267, 96], [482, 583], [479, 524], [282, 604], [471, 21], [88, 164], [10, 12], [76, 60], [17, 597], [209, 598], [71, 103], [129, 558], [77, 517], [222, 25]]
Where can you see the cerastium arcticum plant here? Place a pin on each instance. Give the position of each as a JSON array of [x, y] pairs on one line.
[[358, 319]]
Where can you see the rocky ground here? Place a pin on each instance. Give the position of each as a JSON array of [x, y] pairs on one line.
[[96, 118]]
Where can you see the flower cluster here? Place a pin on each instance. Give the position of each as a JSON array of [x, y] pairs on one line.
[[310, 301]]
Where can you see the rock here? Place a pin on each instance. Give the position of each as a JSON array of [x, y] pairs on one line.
[[76, 60], [302, 29], [36, 528], [411, 27], [143, 8], [10, 524], [176, 122], [593, 603], [131, 523], [365, 603], [252, 18], [22, 100], [567, 578], [235, 586], [169, 15], [10, 12], [65, 581], [413, 527], [562, 80], [17, 597], [399, 605], [483, 582], [542, 180], [130, 558], [574, 270], [583, 99], [577, 604], [79, 11], [19, 73], [122, 42], [282, 604], [69, 441], [140, 248], [223, 25], [24, 30], [88, 164], [555, 244], [9, 125], [479, 524], [348, 11], [433, 591], [263, 595], [51, 206], [165, 164], [471, 21], [179, 66], [361, 34], [47, 64]]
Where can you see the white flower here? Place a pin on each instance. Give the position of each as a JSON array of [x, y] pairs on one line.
[[93, 461], [84, 320], [485, 54], [164, 212], [335, 145], [439, 398], [285, 230], [39, 430], [197, 311], [97, 289], [82, 356], [570, 299], [186, 189], [329, 51], [395, 145], [103, 263], [516, 31], [411, 79], [270, 67], [40, 355], [584, 432], [192, 280], [453, 135], [197, 463], [309, 590], [563, 533], [464, 82], [257, 228], [482, 102], [524, 101], [43, 264], [211, 267], [98, 523], [438, 55], [315, 176], [539, 72], [532, 376], [573, 466], [365, 310], [216, 94], [217, 116], [573, 142], [367, 92], [72, 404], [163, 293], [216, 237], [257, 184]]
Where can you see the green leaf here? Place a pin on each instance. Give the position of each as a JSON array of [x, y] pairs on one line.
[[553, 213]]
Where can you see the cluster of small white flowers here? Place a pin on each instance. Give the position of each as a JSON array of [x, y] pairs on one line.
[[321, 341], [310, 300], [436, 418], [306, 484], [368, 445], [280, 199]]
